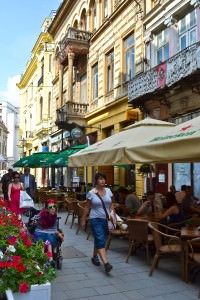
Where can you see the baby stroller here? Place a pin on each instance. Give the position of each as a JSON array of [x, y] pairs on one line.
[[56, 250]]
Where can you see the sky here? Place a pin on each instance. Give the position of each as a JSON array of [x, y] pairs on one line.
[[20, 26]]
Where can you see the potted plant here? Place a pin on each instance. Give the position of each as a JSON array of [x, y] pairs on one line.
[[145, 170], [23, 264]]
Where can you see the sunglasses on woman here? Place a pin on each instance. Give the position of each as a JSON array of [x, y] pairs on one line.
[[16, 177], [51, 206]]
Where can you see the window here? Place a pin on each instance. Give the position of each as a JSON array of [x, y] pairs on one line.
[[95, 82], [50, 62], [49, 105], [105, 8], [41, 108], [95, 16], [83, 83], [162, 46], [110, 71], [129, 58], [83, 20], [187, 30]]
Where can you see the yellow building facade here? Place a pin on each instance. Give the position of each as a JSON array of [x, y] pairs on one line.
[[99, 48], [36, 100]]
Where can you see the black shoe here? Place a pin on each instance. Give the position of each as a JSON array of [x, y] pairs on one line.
[[108, 267], [95, 260]]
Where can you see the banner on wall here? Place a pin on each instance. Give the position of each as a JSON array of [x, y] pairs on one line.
[[161, 75]]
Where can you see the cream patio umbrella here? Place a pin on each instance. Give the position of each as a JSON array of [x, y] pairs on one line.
[[179, 144], [111, 151]]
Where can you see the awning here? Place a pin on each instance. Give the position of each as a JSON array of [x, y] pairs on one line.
[[2, 159]]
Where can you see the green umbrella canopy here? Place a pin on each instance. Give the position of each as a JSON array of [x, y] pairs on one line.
[[37, 160], [62, 157], [48, 159]]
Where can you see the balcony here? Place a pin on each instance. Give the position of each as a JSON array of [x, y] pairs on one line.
[[75, 41], [185, 65], [43, 128], [71, 115]]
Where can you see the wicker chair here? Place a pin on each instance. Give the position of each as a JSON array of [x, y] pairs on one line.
[[71, 202], [138, 236], [192, 259], [79, 210], [116, 233], [166, 244]]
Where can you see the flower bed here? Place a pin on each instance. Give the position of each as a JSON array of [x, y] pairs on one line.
[[22, 262]]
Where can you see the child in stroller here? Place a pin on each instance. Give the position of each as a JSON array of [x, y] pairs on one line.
[[44, 225]]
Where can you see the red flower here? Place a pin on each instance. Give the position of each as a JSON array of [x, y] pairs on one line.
[[28, 243], [49, 254], [12, 240], [39, 274], [23, 287], [2, 264], [20, 267], [16, 258]]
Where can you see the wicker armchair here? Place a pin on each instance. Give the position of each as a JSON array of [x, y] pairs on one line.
[[138, 236], [166, 244]]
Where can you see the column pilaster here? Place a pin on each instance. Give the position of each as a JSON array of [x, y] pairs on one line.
[[70, 75], [61, 71]]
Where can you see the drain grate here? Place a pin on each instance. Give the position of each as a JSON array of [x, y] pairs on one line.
[[71, 252]]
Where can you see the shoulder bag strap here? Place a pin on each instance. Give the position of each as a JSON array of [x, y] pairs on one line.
[[104, 207]]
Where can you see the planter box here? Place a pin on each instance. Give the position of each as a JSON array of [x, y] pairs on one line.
[[37, 292]]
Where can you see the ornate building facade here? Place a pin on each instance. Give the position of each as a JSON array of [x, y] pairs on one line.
[[99, 46], [168, 87], [36, 108]]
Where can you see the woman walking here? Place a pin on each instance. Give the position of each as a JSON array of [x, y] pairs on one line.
[[99, 200], [14, 189]]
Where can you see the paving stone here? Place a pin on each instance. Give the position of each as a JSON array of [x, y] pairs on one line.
[[80, 279]]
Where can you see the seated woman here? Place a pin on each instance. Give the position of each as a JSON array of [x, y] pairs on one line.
[[46, 229], [174, 213]]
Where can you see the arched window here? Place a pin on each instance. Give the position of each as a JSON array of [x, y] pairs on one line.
[[75, 24], [41, 108], [93, 15], [105, 8], [83, 20], [49, 105]]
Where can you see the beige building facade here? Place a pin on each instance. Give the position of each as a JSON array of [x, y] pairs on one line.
[[99, 48], [168, 88], [36, 93]]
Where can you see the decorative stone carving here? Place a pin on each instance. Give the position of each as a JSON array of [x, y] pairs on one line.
[[179, 66]]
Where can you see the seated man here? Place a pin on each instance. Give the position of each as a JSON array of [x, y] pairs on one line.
[[151, 205], [189, 203], [130, 203]]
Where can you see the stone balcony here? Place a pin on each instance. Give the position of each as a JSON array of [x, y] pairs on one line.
[[43, 127], [185, 65], [71, 114], [76, 41]]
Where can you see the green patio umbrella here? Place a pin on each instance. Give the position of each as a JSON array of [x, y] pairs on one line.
[[37, 160], [62, 158]]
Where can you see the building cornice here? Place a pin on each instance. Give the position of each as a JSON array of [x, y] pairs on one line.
[[60, 17], [44, 37]]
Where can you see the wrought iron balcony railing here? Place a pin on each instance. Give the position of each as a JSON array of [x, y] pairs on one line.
[[177, 67]]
